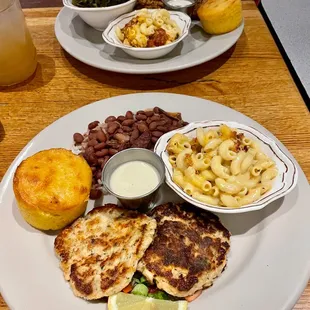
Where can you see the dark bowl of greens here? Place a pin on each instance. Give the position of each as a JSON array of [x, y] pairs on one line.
[[99, 13], [97, 3]]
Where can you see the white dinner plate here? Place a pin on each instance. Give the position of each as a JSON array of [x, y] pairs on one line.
[[268, 265], [87, 45]]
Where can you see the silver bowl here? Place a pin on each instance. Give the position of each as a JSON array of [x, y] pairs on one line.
[[135, 154], [182, 7]]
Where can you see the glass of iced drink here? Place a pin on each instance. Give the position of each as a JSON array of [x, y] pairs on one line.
[[18, 57]]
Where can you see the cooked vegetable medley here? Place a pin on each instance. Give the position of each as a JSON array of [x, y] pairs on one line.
[[139, 286]]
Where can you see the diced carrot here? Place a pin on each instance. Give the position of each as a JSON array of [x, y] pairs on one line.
[[128, 288], [194, 296]]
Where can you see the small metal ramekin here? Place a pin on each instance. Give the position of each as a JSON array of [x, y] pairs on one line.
[[181, 8], [134, 154]]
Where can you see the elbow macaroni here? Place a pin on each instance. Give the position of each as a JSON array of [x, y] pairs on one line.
[[141, 29], [229, 170]]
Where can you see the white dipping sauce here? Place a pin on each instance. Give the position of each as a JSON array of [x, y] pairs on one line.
[[134, 178], [179, 3]]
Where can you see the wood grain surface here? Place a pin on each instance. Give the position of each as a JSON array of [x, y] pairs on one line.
[[40, 3], [251, 78]]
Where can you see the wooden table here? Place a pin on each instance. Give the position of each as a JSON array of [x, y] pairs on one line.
[[251, 78]]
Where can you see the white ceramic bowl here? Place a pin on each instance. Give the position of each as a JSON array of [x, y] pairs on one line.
[[99, 18], [283, 183], [109, 35]]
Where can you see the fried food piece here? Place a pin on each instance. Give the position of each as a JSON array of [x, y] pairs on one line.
[[188, 252], [52, 188], [100, 252]]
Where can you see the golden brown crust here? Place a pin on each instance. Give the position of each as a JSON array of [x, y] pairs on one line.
[[52, 181], [187, 251], [100, 252]]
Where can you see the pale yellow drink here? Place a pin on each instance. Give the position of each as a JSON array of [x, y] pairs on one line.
[[18, 57]]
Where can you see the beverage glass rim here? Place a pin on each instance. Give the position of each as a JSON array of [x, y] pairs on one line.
[[10, 3]]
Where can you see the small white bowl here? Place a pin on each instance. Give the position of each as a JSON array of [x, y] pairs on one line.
[[99, 18], [283, 183], [109, 35]]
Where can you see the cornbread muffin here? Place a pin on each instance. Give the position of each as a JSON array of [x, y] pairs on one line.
[[220, 16], [52, 188]]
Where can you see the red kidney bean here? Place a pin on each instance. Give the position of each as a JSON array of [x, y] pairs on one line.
[[95, 194], [113, 144], [105, 160], [142, 127], [112, 152], [154, 140], [93, 125], [170, 128], [99, 146], [140, 112], [128, 122], [149, 113], [126, 129], [129, 115], [85, 156], [119, 130], [92, 142], [101, 136], [92, 159], [92, 136], [174, 123], [89, 150], [167, 119], [110, 119], [78, 138], [98, 175], [135, 135], [101, 160], [112, 127], [157, 133], [122, 138], [148, 121], [141, 117], [93, 169], [153, 126], [162, 128], [155, 118], [156, 110], [121, 118], [161, 123], [102, 153]]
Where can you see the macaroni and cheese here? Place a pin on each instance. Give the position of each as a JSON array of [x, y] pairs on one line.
[[149, 29], [221, 167]]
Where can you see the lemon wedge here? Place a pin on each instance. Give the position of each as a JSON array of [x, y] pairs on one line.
[[122, 301]]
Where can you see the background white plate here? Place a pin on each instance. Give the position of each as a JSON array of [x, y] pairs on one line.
[[268, 266], [87, 45]]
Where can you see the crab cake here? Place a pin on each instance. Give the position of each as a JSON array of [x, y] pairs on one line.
[[188, 252], [100, 252]]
